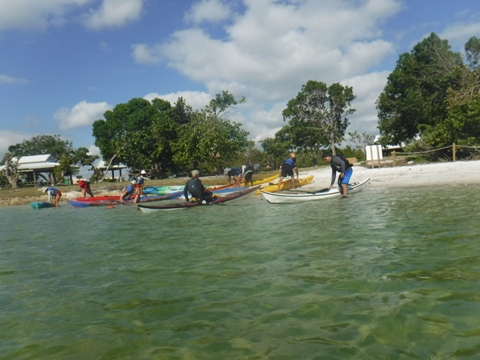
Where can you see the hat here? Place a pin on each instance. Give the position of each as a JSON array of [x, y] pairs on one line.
[[195, 173], [44, 189], [133, 182], [143, 172]]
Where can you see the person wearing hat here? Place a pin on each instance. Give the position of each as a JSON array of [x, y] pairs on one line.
[[286, 169], [340, 164], [85, 186], [54, 195], [128, 191], [139, 182], [195, 187]]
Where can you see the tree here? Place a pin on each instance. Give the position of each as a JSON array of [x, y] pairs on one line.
[[472, 52], [415, 93], [318, 116], [360, 141], [276, 149], [207, 139], [137, 133]]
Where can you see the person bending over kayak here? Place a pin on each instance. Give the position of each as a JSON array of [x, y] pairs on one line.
[[85, 186], [340, 164], [54, 195], [286, 169], [248, 174], [236, 174], [128, 191], [139, 182], [195, 187]]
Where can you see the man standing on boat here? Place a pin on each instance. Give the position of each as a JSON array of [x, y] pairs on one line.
[[195, 187], [286, 169], [340, 164]]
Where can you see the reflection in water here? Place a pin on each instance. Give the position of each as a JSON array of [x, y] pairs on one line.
[[383, 274]]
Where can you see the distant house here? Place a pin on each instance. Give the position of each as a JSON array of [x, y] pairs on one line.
[[32, 169]]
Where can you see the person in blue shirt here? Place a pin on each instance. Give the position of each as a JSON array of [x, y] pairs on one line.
[[286, 169], [54, 195], [128, 191]]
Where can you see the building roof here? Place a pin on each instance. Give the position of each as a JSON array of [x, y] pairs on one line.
[[103, 166], [37, 163]]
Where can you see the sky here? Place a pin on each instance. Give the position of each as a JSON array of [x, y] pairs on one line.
[[63, 63]]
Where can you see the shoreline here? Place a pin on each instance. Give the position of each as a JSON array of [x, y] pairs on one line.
[[459, 173], [414, 175]]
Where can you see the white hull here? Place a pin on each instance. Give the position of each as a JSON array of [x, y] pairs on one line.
[[292, 196]]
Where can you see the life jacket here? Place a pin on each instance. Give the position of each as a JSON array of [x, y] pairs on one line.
[[338, 167]]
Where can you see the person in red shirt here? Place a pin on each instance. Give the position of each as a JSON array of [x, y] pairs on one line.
[[85, 186]]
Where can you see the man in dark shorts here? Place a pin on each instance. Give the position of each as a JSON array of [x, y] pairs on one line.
[[340, 164], [195, 187], [248, 174], [236, 174], [286, 169]]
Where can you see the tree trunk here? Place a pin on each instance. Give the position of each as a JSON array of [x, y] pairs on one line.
[[10, 173]]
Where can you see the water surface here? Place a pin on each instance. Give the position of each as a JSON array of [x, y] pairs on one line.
[[385, 274]]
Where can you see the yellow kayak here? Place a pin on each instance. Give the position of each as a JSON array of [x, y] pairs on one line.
[[266, 180], [287, 184]]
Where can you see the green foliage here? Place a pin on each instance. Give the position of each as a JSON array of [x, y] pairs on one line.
[[472, 52], [360, 141], [318, 115], [40, 145], [276, 149], [414, 97]]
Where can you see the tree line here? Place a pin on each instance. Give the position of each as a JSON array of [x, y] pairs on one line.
[[431, 100]]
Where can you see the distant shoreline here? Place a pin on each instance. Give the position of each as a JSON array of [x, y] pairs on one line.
[[459, 173]]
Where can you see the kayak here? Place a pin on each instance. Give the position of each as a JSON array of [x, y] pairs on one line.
[[266, 180], [186, 205], [287, 184], [116, 200], [168, 189], [41, 204], [295, 196]]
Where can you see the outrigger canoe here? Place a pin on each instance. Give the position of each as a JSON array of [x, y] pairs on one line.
[[116, 200], [186, 205], [287, 184], [295, 196]]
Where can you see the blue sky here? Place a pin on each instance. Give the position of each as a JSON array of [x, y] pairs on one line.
[[63, 63]]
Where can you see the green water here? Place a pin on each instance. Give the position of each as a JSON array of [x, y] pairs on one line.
[[381, 275]]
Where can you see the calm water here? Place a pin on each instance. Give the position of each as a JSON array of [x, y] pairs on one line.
[[381, 275]]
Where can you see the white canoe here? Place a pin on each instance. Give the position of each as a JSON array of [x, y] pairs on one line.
[[294, 196]]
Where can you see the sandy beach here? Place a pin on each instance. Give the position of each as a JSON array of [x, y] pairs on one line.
[[447, 173]]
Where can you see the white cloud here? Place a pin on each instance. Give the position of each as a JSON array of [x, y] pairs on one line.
[[8, 138], [35, 15], [208, 10], [273, 48], [114, 13], [93, 150], [196, 99], [39, 15], [458, 34], [82, 114], [4, 79]]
